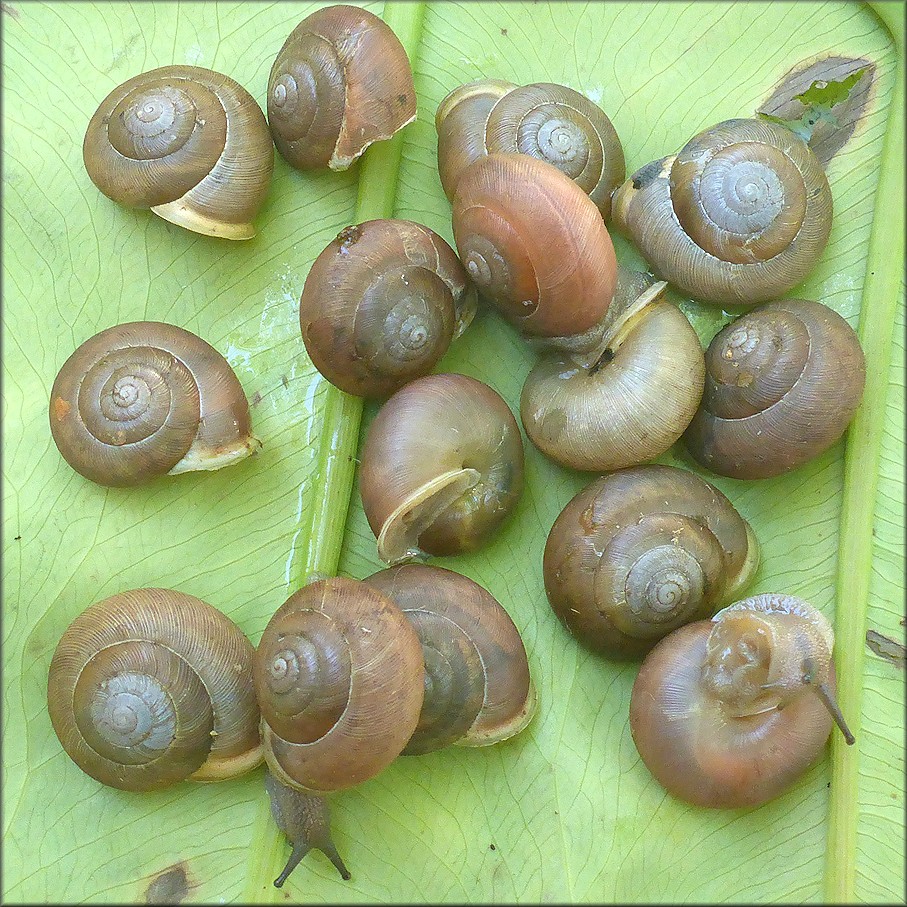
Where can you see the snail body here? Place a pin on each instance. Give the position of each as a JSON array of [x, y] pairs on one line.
[[143, 399], [730, 712], [630, 404], [477, 685], [381, 305], [441, 468], [534, 244], [151, 687], [640, 552], [550, 122], [188, 143], [782, 384], [340, 82], [739, 216]]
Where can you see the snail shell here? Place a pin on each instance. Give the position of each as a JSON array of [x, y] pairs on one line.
[[549, 122], [143, 399], [441, 468], [730, 712], [460, 123], [381, 305], [740, 215], [640, 552], [633, 402], [534, 244], [188, 143], [341, 81], [477, 685], [782, 384], [339, 677], [150, 687]]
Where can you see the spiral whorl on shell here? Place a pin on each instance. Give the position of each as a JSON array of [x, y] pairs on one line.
[[640, 552], [143, 399], [477, 685], [782, 384], [544, 120], [740, 215], [341, 81], [150, 687], [562, 127], [381, 305], [189, 143], [339, 677]]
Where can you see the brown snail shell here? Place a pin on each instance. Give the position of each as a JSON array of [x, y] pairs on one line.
[[441, 468], [341, 81], [381, 305], [477, 685], [339, 678], [534, 244], [143, 399], [740, 215], [730, 712], [188, 143], [550, 122], [640, 552], [782, 384], [151, 687], [460, 123], [633, 402]]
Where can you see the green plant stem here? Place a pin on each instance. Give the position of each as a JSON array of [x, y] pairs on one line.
[[884, 268], [378, 171], [342, 413]]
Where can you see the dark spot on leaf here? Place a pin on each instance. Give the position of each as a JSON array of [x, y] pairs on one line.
[[828, 784], [18, 538], [284, 380], [492, 847], [10, 10], [256, 398], [887, 648], [169, 887], [822, 99], [504, 33]]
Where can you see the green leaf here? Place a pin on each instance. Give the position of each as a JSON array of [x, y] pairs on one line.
[[571, 811]]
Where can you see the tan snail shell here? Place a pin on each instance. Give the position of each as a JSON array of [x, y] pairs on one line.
[[441, 468], [339, 677], [143, 399], [477, 685], [381, 305], [550, 122], [633, 402], [534, 244], [730, 712], [188, 143], [640, 552], [341, 81], [150, 687], [740, 215], [782, 384]]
